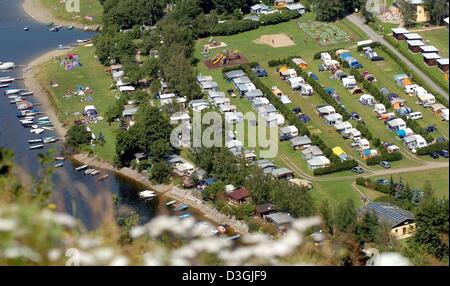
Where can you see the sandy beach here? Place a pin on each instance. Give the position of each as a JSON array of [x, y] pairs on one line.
[[173, 192], [39, 13]]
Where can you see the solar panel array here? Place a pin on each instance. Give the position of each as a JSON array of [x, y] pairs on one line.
[[393, 214]]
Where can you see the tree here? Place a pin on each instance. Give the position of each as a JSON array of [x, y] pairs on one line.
[[327, 214], [408, 12], [432, 224], [346, 216], [160, 172], [329, 10], [438, 10], [77, 136], [367, 229]]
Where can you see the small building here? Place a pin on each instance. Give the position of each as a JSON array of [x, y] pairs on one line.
[[343, 126], [286, 73], [318, 162], [265, 209], [179, 116], [213, 94], [266, 166], [414, 45], [442, 64], [259, 9], [326, 110], [311, 152], [218, 101], [396, 124], [259, 101], [333, 119], [413, 36], [184, 169], [229, 76], [367, 99], [415, 141], [280, 220], [129, 113], [209, 86], [300, 142], [296, 7], [283, 174], [288, 132], [202, 78], [428, 49], [400, 221], [296, 82], [239, 196], [431, 59], [198, 104], [255, 93], [301, 63], [241, 80], [399, 33]]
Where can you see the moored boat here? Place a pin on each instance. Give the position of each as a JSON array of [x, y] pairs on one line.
[[181, 207], [33, 141], [4, 85], [12, 91], [60, 158], [7, 66], [6, 79], [185, 215], [95, 173], [59, 165], [81, 167], [88, 171], [33, 147], [234, 237], [27, 93], [170, 203], [37, 130], [104, 177], [26, 29], [71, 27]]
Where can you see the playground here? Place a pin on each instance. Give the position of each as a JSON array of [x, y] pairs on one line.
[[275, 41], [226, 58], [324, 34]]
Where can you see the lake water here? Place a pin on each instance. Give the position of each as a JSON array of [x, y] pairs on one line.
[[73, 192]]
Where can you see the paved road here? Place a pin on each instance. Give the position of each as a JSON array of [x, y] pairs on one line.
[[374, 36]]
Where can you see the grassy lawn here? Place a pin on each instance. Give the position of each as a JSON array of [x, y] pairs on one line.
[[335, 193], [438, 179], [91, 74], [91, 8]]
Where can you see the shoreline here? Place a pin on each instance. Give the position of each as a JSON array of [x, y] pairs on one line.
[[35, 10], [183, 196]]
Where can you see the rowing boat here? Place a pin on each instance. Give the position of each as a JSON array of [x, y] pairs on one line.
[[33, 147], [183, 216], [170, 203], [89, 171], [181, 207], [4, 85], [81, 168], [37, 130], [6, 79], [95, 173], [59, 165], [104, 177], [27, 93], [12, 91], [32, 141]]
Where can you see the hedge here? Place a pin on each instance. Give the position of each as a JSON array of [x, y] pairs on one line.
[[406, 69], [341, 166], [385, 156], [433, 148], [371, 45], [233, 27], [415, 126], [276, 18]]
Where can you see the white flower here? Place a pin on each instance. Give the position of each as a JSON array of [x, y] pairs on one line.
[[119, 261], [103, 254], [391, 259], [21, 251], [138, 231], [7, 225], [59, 218], [54, 254]]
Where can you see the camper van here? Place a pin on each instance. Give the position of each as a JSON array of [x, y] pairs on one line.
[[414, 115], [444, 114], [349, 82], [326, 59], [306, 89]]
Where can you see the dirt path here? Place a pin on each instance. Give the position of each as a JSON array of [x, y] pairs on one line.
[[39, 13], [428, 29]]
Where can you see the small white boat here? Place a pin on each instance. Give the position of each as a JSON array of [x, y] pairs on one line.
[[7, 66], [33, 141], [104, 177], [83, 40], [4, 85], [89, 171], [37, 130], [26, 29], [33, 147], [170, 203], [59, 165], [27, 93], [49, 140], [6, 79], [95, 173], [81, 168], [147, 194], [11, 91], [62, 47], [48, 128], [70, 27], [26, 122], [44, 118]]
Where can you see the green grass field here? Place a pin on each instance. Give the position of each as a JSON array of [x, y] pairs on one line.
[[91, 74], [439, 39], [91, 8]]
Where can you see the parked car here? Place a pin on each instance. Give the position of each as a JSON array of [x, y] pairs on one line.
[[260, 72], [297, 110], [358, 170], [383, 182], [434, 155], [443, 153], [385, 164]]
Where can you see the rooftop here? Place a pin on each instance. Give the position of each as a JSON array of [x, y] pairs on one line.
[[389, 213]]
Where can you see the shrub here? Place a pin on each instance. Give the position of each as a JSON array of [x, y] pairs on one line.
[[337, 167], [360, 181], [433, 148]]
